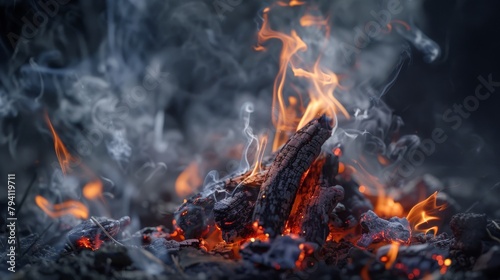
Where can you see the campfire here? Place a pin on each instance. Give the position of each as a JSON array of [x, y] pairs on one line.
[[323, 189]]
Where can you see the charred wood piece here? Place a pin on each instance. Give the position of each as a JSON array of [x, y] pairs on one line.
[[93, 234], [303, 196], [376, 229], [314, 226], [330, 169], [233, 215], [341, 218], [196, 215], [284, 252], [283, 179], [147, 235], [468, 229], [423, 258]]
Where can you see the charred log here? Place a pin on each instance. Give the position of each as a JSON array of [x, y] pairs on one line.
[[233, 215], [282, 181], [314, 227]]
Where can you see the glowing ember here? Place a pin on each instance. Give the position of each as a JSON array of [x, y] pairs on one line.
[[70, 207], [424, 212], [93, 190], [188, 181], [212, 239], [63, 156], [323, 83], [86, 243]]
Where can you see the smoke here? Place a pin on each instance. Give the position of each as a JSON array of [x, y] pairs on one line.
[[129, 84]]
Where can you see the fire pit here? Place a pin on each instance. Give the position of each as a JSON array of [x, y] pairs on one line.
[[232, 141]]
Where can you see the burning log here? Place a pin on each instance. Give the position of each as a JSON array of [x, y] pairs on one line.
[[92, 233], [282, 181], [314, 226], [377, 229]]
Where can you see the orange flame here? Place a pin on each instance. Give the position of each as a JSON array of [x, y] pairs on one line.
[[288, 117], [188, 181], [259, 155], [372, 187], [424, 212], [391, 256], [93, 190], [386, 206], [212, 239], [63, 156], [292, 3], [69, 207]]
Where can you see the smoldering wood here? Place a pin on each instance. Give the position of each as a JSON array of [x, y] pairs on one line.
[[282, 253], [304, 194], [196, 215], [336, 253], [341, 218], [376, 229], [282, 181], [90, 230], [330, 169], [233, 215], [414, 257], [314, 226]]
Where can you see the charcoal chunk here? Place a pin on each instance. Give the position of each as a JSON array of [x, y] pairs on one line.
[[377, 229], [281, 253]]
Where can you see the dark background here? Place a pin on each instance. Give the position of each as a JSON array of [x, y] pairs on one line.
[[468, 33]]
